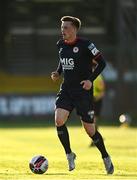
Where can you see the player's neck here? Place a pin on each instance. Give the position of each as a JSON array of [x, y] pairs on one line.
[[71, 40]]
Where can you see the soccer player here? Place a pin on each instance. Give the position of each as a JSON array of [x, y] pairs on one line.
[[75, 63], [98, 96]]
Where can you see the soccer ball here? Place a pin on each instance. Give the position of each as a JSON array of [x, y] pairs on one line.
[[38, 164], [125, 120]]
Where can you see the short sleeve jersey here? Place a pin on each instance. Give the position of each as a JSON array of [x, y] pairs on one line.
[[76, 60]]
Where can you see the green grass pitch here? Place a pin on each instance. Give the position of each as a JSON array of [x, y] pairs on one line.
[[19, 145]]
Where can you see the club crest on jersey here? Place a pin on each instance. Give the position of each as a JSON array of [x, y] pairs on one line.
[[75, 49]]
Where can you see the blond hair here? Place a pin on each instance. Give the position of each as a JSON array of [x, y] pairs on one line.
[[75, 21]]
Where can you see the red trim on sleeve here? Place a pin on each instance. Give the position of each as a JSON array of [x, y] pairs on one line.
[[97, 56]]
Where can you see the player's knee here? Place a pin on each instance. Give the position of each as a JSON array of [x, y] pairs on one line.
[[61, 116], [59, 122], [91, 132], [90, 128]]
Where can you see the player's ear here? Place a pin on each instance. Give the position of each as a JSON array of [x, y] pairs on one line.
[[76, 29]]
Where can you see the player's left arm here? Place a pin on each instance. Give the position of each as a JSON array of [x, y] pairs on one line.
[[100, 65]]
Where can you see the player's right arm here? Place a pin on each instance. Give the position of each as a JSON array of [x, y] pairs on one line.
[[56, 74]]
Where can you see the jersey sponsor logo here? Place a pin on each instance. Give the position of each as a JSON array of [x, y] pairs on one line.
[[67, 63], [75, 49], [93, 49]]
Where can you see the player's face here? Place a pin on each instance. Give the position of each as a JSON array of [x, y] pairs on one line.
[[68, 31]]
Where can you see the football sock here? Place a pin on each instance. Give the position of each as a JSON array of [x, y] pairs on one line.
[[64, 138], [99, 143]]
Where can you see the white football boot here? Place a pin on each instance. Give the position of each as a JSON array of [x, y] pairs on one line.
[[108, 165], [71, 161]]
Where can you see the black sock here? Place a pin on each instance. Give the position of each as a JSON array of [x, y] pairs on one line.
[[64, 138], [99, 143]]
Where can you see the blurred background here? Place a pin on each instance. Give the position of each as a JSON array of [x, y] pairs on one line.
[[29, 30]]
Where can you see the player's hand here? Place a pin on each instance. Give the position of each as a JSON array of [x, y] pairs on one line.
[[55, 76], [87, 84]]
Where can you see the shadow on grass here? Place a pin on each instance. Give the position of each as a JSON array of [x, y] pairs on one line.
[[125, 175], [28, 174]]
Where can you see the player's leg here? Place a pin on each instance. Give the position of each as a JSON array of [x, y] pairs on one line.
[[97, 109], [84, 109], [63, 108], [99, 143], [92, 142], [61, 115], [97, 112], [96, 137], [62, 111]]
